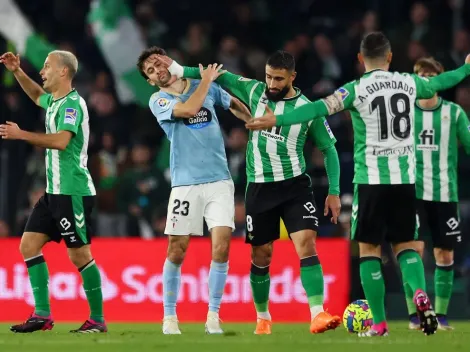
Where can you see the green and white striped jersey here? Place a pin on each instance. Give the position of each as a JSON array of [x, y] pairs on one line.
[[277, 154], [381, 106], [66, 170], [437, 133]]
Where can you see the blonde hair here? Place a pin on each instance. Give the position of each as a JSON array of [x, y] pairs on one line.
[[67, 59]]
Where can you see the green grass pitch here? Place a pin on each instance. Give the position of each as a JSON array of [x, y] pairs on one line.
[[238, 338]]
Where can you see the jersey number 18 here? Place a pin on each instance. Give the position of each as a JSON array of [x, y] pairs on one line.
[[399, 109]]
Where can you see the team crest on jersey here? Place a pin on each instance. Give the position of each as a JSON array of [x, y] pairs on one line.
[[328, 129], [163, 103], [343, 93], [202, 119], [468, 128], [70, 116]]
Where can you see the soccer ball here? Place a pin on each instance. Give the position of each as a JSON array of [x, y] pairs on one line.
[[357, 316]]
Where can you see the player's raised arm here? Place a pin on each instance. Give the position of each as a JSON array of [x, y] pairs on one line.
[[12, 63], [463, 130], [341, 99], [238, 85], [427, 87], [192, 106]]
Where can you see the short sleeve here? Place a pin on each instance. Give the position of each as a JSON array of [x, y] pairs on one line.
[[321, 134], [221, 97], [70, 115], [162, 107], [44, 100]]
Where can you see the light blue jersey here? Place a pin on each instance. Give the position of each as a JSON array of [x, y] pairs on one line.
[[197, 152]]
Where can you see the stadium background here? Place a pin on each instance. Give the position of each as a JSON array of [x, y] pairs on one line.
[[128, 153]]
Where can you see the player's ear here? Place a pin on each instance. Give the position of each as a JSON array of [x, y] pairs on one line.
[[152, 83], [389, 57], [360, 58], [293, 76]]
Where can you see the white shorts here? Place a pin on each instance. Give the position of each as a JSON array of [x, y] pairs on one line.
[[189, 206]]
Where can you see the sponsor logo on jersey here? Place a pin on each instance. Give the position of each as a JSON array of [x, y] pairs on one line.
[[243, 79], [70, 116], [343, 93], [407, 150], [328, 129], [468, 128], [426, 138], [273, 136], [202, 119]]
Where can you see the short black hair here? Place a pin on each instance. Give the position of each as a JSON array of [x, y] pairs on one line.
[[145, 55], [375, 45], [281, 59]]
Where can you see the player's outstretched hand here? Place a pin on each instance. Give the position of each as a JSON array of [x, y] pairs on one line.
[[264, 122], [467, 59], [211, 72], [333, 203], [11, 61], [166, 61], [10, 130]]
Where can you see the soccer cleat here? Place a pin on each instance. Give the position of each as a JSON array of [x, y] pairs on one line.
[[170, 325], [213, 324], [90, 326], [443, 324], [324, 321], [427, 317], [34, 323], [414, 323], [263, 327], [376, 330]]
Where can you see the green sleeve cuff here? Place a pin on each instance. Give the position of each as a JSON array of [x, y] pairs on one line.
[[332, 169]]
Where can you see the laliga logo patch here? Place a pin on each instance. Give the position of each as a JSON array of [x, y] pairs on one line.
[[163, 103], [328, 129], [202, 119]]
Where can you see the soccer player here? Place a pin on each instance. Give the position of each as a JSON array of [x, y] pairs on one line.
[[278, 187], [202, 187], [384, 207], [439, 126], [64, 212]]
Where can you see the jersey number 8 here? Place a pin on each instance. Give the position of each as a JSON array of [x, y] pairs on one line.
[[399, 105]]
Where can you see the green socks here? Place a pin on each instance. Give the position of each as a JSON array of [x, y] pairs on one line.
[[311, 275], [412, 269], [374, 286], [39, 279], [443, 283], [92, 285], [260, 283], [410, 304]]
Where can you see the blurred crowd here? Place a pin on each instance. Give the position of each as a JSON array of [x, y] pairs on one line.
[[129, 156]]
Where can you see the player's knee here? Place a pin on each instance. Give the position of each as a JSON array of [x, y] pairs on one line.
[[177, 249], [220, 251], [443, 256], [29, 248], [261, 255], [80, 256]]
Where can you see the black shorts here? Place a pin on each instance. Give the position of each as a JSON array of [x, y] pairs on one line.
[[441, 221], [383, 213], [267, 203], [62, 216]]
